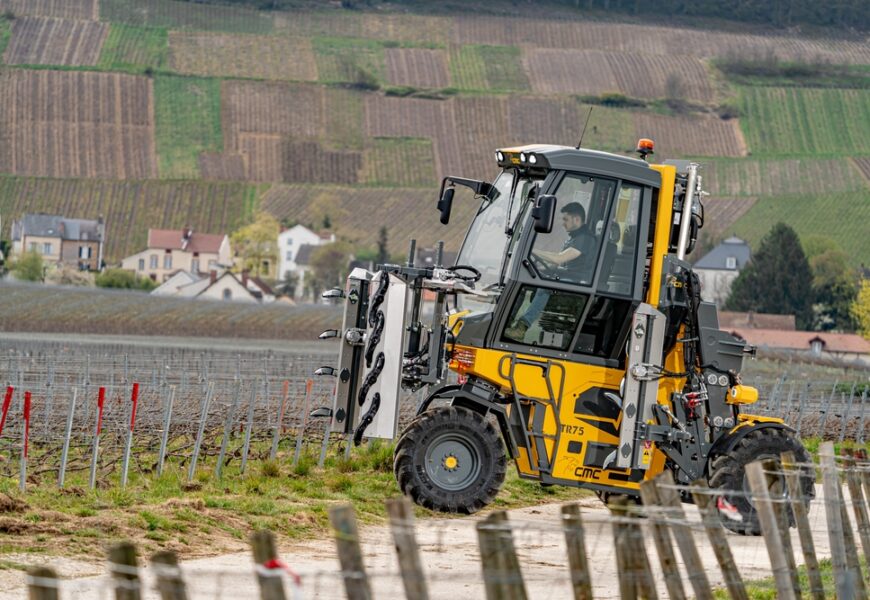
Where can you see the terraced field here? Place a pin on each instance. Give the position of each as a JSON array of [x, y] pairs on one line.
[[254, 56], [407, 213], [131, 207], [417, 67], [46, 41], [697, 136], [403, 162], [62, 9], [182, 15], [349, 60], [720, 214], [88, 310], [132, 48], [76, 124], [772, 177], [841, 215], [796, 121]]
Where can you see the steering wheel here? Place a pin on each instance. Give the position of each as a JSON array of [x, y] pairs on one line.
[[474, 274]]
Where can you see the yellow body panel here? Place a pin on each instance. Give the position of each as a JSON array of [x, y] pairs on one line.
[[664, 219]]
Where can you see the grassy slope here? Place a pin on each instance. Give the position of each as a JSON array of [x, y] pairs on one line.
[[185, 15], [844, 216], [806, 121], [187, 122]]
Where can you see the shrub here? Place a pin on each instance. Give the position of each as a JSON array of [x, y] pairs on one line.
[[122, 279]]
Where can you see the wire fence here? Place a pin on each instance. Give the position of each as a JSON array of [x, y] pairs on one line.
[[121, 408], [663, 548]]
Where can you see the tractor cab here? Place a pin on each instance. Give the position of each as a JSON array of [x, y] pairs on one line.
[[562, 240]]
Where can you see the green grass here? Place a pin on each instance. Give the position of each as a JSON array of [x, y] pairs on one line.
[[407, 162], [134, 49], [187, 118], [212, 514], [5, 34], [186, 15], [765, 589], [493, 68], [348, 60], [842, 216], [504, 68], [805, 121]]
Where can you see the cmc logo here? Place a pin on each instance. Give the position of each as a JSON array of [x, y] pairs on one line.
[[587, 473]]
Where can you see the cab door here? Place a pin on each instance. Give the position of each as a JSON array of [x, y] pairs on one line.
[[569, 303]]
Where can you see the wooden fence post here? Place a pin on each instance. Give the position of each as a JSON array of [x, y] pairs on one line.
[[42, 584], [793, 474], [356, 583], [170, 583], [402, 524], [777, 485], [268, 575], [124, 569], [628, 583], [853, 563], [501, 569], [716, 533], [843, 576], [769, 527], [858, 505], [572, 523], [683, 535], [629, 542], [661, 537]]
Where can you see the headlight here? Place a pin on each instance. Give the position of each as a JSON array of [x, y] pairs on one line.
[[532, 159], [522, 157], [499, 156]]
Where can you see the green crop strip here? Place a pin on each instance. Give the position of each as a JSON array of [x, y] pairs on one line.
[[349, 60], [186, 15], [134, 49], [187, 113]]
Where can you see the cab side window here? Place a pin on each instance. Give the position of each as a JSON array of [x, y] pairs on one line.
[[620, 243]]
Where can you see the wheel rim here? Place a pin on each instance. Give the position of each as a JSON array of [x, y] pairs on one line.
[[452, 462]]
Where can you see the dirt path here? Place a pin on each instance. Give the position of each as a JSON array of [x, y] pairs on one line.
[[450, 559]]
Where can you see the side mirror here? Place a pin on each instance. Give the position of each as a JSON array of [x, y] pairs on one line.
[[445, 204], [543, 213]]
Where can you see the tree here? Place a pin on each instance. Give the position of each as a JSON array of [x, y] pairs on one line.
[[289, 284], [861, 309], [383, 256], [777, 280], [835, 289], [124, 280], [329, 266], [257, 243], [29, 267]]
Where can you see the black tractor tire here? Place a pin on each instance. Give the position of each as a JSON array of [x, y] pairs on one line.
[[727, 472], [450, 459]]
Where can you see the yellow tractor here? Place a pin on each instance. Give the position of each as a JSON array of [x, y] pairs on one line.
[[578, 341]]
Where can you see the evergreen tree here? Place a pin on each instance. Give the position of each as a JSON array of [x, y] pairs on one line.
[[777, 280]]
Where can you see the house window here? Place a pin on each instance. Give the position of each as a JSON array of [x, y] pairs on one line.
[[228, 294], [194, 265], [167, 261], [289, 255], [85, 252], [289, 241], [731, 262], [816, 347], [46, 248], [141, 264], [153, 262]]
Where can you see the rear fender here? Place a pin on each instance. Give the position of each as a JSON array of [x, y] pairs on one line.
[[729, 441]]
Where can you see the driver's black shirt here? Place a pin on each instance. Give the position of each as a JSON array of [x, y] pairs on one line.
[[582, 240]]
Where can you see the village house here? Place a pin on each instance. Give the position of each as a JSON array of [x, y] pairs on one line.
[[216, 286], [846, 347], [295, 246], [77, 243], [173, 250], [718, 269]]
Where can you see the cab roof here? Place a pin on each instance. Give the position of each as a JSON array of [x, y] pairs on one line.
[[582, 160]]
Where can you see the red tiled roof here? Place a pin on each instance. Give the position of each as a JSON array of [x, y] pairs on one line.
[[728, 320], [171, 239], [802, 340]]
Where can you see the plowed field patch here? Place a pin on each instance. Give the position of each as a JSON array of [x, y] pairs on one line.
[[63, 9], [417, 67], [46, 41]]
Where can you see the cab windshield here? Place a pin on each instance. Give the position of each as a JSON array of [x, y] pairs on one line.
[[485, 244]]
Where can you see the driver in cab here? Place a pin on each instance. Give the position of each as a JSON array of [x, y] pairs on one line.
[[577, 247]]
